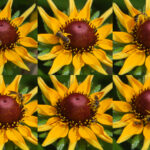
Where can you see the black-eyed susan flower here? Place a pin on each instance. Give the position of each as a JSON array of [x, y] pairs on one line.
[[136, 119], [136, 36], [75, 112], [79, 39], [16, 114], [13, 38]]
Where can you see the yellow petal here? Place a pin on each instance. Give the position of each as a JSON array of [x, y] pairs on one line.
[[85, 86], [92, 61], [62, 89], [27, 134], [1, 69], [122, 37], [104, 105], [6, 12], [2, 58], [137, 85], [101, 55], [25, 55], [73, 84], [61, 60], [51, 95], [104, 119], [104, 31], [125, 120], [146, 144], [105, 44], [16, 138], [2, 85], [72, 8], [97, 22], [122, 106], [132, 10], [147, 82], [99, 131], [57, 132], [120, 55], [98, 95], [129, 49], [130, 130], [3, 138], [48, 38], [77, 63], [106, 14], [125, 20], [28, 11], [47, 110], [123, 88], [28, 42], [139, 59], [16, 59], [30, 121], [89, 136], [147, 5], [51, 22], [147, 62], [17, 21], [85, 11]]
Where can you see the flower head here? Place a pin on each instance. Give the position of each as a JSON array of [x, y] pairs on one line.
[[16, 114], [136, 36], [75, 112], [136, 108], [80, 39], [12, 35]]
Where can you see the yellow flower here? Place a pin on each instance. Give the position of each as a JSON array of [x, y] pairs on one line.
[[81, 40], [15, 114], [12, 35], [137, 37], [74, 112], [137, 109]]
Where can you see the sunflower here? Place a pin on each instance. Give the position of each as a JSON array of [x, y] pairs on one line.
[[16, 114], [79, 40], [136, 119], [75, 112], [12, 35]]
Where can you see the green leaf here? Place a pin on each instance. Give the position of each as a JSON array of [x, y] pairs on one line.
[[95, 15], [66, 70], [48, 63], [120, 96], [16, 14], [45, 100], [61, 144], [24, 90], [116, 146], [96, 88], [119, 63], [82, 145], [136, 141]]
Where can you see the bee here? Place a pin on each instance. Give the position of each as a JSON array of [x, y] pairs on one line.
[[96, 104], [137, 123], [64, 38]]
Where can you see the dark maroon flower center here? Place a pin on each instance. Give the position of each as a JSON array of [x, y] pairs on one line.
[[82, 36], [8, 35], [76, 109], [141, 104], [10, 112]]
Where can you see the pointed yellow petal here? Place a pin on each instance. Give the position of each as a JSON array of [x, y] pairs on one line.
[[16, 138], [2, 58], [25, 55], [139, 59], [61, 60], [92, 61], [132, 10], [48, 38], [104, 105], [97, 22], [89, 136], [147, 82], [60, 15], [125, 20], [122, 37], [98, 95], [2, 85], [137, 85], [1, 69], [146, 144], [73, 84], [147, 5], [106, 14], [77, 63], [31, 121], [147, 62], [125, 120], [122, 106], [47, 110], [32, 93], [62, 89], [104, 31], [16, 59], [101, 55], [105, 44], [129, 49], [51, 95], [99, 131], [17, 21], [28, 42], [28, 11], [27, 134], [85, 12], [85, 86], [51, 22], [57, 132], [123, 88], [72, 8], [104, 119], [130, 130], [3, 138], [6, 12], [120, 55]]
